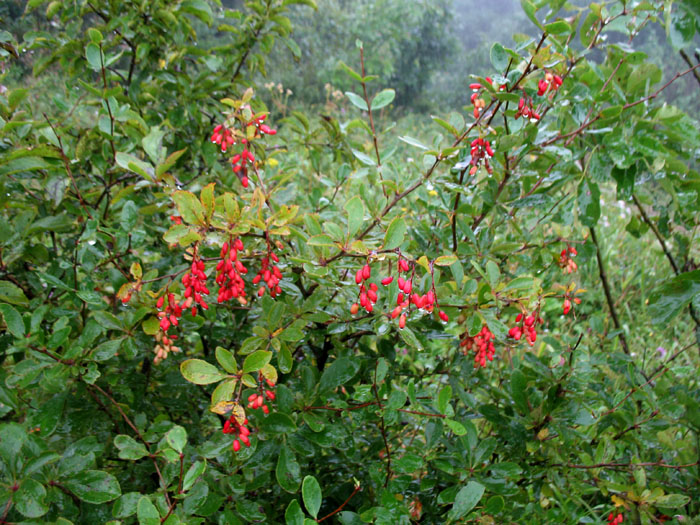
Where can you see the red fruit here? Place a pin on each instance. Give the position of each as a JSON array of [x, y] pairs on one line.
[[402, 321], [261, 291], [366, 272], [126, 298], [265, 409], [567, 306], [372, 296], [443, 316], [518, 318], [475, 85], [387, 281], [236, 445], [401, 282], [529, 320], [395, 312], [354, 308]]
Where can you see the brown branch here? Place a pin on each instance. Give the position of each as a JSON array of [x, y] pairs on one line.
[[608, 295], [587, 124], [336, 511], [371, 120], [688, 61], [626, 465], [67, 362]]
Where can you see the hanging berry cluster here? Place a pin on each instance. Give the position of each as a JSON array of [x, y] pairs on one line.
[[242, 127], [482, 344], [565, 259], [550, 83], [269, 273], [526, 325], [195, 283], [240, 430], [613, 519], [526, 110], [367, 293], [257, 399], [480, 151], [229, 273]]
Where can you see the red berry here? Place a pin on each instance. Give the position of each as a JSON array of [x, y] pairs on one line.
[[443, 316]]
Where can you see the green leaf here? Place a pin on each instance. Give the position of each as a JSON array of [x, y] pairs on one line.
[[93, 55], [278, 423], [393, 238], [288, 471], [414, 142], [499, 57], [445, 260], [294, 515], [338, 373], [444, 398], [672, 501], [364, 158], [147, 513], [13, 294], [668, 299], [455, 426], [589, 203], [129, 448], [194, 472], [177, 438], [466, 500], [200, 372], [256, 361], [383, 98], [311, 494], [190, 207], [518, 386], [13, 320], [94, 486], [29, 498], [226, 360], [355, 209], [357, 100]]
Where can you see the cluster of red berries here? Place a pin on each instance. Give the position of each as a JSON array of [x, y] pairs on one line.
[[568, 300], [176, 219], [482, 344], [240, 166], [253, 129], [480, 150], [232, 426], [195, 283], [270, 274], [526, 325], [614, 520], [565, 259], [229, 272], [550, 82], [257, 399], [171, 314], [368, 291], [223, 137], [262, 129], [526, 110], [164, 345]]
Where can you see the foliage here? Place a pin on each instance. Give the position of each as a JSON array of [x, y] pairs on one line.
[[352, 304]]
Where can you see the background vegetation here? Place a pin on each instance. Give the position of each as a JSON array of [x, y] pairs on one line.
[[110, 186]]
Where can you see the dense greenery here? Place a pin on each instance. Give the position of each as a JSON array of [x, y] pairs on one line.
[[155, 290]]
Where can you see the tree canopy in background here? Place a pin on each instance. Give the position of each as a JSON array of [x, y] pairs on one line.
[[355, 262]]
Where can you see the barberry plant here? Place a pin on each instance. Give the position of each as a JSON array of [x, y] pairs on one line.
[[214, 312]]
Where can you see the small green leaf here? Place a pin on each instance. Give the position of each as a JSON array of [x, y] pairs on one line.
[[357, 100], [256, 361], [668, 299], [190, 207], [226, 360], [466, 500], [147, 513], [13, 320], [294, 515], [93, 55], [200, 372], [338, 373], [455, 427], [177, 438], [395, 234], [499, 57], [414, 142], [383, 98], [288, 471], [129, 448], [356, 213], [311, 494], [589, 203], [94, 486]]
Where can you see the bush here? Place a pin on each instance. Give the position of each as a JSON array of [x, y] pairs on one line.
[[217, 315]]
